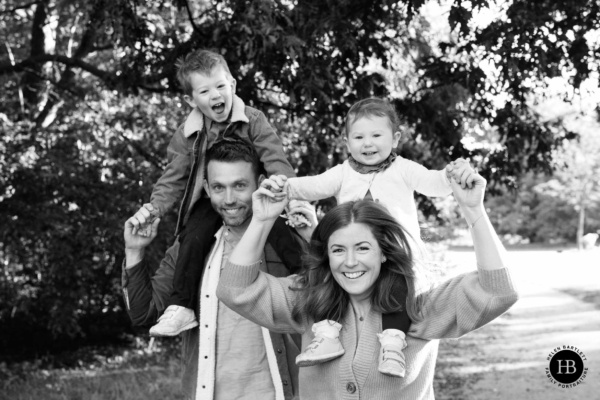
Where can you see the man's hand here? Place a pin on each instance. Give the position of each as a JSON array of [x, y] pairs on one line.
[[135, 244], [269, 200], [143, 219], [307, 210]]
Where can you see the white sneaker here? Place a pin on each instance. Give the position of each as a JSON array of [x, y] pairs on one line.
[[174, 320], [391, 357], [325, 346]]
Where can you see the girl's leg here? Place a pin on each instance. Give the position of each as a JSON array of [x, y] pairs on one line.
[[326, 345], [393, 340]]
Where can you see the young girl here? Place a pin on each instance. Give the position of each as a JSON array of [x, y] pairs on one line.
[[373, 171]]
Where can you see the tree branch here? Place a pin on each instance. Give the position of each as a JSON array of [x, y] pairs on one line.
[[12, 10], [7, 67]]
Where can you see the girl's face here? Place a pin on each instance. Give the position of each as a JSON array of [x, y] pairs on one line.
[[355, 259], [371, 139]]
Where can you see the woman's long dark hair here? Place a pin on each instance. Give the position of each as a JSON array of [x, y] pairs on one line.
[[321, 297]]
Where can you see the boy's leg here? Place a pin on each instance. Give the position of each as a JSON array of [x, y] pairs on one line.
[[194, 245], [195, 242], [287, 245]]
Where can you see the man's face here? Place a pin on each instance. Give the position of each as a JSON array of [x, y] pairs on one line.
[[212, 94], [230, 186]]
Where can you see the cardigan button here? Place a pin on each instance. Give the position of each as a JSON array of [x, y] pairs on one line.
[[279, 351], [285, 382], [351, 387]]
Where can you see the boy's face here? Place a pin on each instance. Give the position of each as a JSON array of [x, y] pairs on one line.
[[212, 94], [370, 140]]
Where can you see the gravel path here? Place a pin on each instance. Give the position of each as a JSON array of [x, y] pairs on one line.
[[507, 359]]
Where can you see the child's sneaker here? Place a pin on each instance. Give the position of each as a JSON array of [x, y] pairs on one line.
[[174, 320], [324, 347], [391, 357]]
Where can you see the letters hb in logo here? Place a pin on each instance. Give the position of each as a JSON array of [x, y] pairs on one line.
[[566, 366]]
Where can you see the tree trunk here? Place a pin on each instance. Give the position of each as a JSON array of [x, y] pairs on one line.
[[580, 226]]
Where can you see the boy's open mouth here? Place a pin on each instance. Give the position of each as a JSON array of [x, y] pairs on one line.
[[219, 108]]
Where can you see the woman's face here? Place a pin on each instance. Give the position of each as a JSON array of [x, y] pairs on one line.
[[355, 259]]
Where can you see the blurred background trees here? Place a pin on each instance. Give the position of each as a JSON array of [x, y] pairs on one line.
[[89, 101]]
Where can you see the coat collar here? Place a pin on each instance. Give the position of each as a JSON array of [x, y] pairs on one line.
[[195, 121]]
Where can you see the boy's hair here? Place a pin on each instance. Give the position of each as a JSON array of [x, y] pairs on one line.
[[372, 106], [228, 150], [200, 61]]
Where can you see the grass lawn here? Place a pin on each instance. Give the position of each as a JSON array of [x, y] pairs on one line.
[[149, 371], [145, 371]]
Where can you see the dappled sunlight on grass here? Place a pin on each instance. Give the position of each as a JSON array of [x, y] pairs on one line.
[[145, 371]]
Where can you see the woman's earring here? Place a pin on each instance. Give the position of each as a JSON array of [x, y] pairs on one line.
[[383, 259]]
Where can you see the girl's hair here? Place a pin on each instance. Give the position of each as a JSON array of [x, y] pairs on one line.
[[321, 297], [200, 61], [373, 106]]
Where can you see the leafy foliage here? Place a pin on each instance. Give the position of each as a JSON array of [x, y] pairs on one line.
[[90, 100]]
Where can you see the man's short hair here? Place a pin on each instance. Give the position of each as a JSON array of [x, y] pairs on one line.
[[232, 151], [201, 61]]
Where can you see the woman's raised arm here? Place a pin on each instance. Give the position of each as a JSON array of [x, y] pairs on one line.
[[268, 202], [469, 189]]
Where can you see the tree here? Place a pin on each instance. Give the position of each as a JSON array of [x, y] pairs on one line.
[[577, 181], [90, 99]]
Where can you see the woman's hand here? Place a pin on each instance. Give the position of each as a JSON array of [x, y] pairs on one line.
[[269, 200], [469, 189]]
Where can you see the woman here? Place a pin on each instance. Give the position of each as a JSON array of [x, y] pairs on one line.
[[357, 254]]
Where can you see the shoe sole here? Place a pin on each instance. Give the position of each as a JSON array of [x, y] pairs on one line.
[[175, 333], [320, 360]]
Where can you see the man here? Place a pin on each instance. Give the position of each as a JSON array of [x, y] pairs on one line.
[[226, 356]]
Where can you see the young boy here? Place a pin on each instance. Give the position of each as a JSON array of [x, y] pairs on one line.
[[373, 171], [218, 114]]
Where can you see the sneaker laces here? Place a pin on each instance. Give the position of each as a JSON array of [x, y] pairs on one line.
[[169, 312]]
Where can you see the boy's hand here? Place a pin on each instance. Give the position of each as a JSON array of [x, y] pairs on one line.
[[143, 219]]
